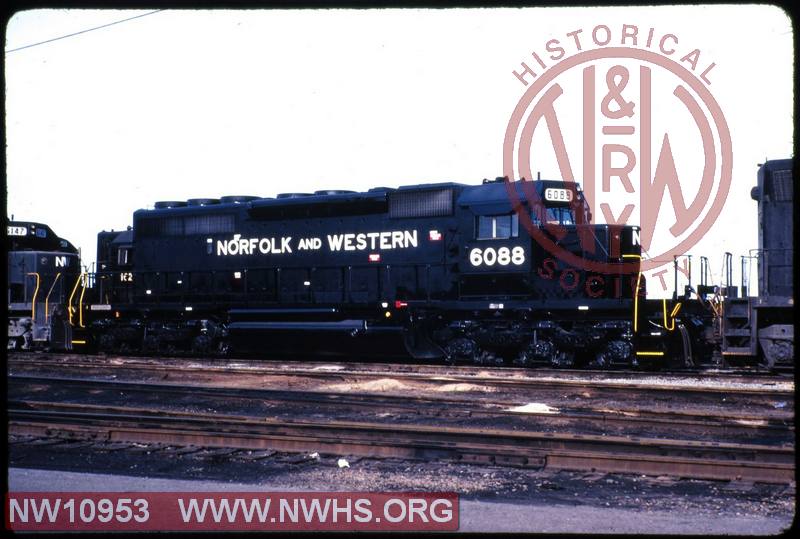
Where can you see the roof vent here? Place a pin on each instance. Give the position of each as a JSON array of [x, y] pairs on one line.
[[237, 199], [164, 204], [334, 192], [499, 179], [293, 195], [202, 201], [428, 203]]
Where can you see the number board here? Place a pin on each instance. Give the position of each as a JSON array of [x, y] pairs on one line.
[[17, 231], [553, 194]]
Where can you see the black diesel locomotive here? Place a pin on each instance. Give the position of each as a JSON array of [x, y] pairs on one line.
[[448, 268], [441, 272], [764, 326], [45, 289]]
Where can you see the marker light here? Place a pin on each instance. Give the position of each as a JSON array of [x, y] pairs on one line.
[[374, 257], [434, 235]]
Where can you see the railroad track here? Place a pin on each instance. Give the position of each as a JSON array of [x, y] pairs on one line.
[[764, 388], [742, 375], [759, 444], [777, 427], [708, 460]]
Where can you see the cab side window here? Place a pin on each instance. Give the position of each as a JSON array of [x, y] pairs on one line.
[[497, 227], [124, 257]]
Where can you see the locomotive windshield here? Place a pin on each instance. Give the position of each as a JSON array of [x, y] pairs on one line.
[[559, 216], [505, 226]]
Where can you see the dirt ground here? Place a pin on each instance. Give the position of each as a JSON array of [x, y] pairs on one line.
[[493, 498]]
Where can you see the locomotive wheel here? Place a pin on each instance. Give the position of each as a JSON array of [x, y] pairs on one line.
[[462, 348], [615, 353], [488, 358], [106, 343], [564, 360], [150, 344], [541, 352], [601, 361], [202, 344]]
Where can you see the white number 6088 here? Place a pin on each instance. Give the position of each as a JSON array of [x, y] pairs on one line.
[[502, 256]]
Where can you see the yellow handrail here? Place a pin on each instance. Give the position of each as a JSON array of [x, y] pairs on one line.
[[47, 299], [35, 293], [669, 322], [72, 295], [84, 277]]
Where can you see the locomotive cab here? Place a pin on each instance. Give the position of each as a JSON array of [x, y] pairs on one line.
[[525, 291], [519, 237], [114, 268]]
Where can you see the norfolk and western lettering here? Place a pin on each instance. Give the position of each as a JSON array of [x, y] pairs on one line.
[[372, 241]]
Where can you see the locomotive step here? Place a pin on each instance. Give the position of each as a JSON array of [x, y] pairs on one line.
[[737, 351], [745, 332]]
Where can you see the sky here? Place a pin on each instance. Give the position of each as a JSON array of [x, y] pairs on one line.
[[189, 104]]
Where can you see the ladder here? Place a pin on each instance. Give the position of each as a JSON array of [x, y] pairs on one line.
[[738, 327]]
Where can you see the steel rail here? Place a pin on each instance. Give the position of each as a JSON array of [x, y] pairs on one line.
[[269, 365], [492, 380], [696, 459], [721, 424]]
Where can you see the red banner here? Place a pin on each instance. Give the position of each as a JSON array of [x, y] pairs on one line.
[[231, 511]]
